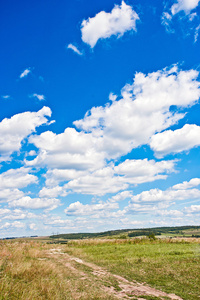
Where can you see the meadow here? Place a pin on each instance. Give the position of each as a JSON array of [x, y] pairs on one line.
[[100, 269]]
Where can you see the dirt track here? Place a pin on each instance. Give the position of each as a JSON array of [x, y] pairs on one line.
[[116, 286]]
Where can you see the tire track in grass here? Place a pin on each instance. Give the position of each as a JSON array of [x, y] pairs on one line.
[[121, 289]]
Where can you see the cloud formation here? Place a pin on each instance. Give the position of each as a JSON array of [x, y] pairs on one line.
[[176, 141], [184, 5], [121, 19], [13, 131], [143, 110]]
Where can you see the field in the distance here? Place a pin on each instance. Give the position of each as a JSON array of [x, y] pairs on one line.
[[100, 269]]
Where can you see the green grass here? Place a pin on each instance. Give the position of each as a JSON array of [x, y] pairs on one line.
[[173, 267]]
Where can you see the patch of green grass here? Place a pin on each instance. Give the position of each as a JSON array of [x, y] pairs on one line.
[[173, 267]]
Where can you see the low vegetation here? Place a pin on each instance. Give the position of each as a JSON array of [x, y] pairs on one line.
[[33, 269]]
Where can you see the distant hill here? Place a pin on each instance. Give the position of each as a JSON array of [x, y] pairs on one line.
[[188, 231]]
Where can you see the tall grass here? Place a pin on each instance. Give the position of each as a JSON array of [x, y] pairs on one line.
[[28, 272]]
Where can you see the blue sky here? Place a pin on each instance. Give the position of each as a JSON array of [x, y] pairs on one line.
[[99, 119]]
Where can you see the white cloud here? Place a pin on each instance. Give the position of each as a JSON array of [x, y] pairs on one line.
[[121, 19], [145, 208], [166, 20], [139, 171], [80, 209], [110, 179], [121, 196], [187, 184], [13, 131], [175, 141], [184, 5], [112, 97], [143, 110], [32, 153], [53, 192], [55, 176], [14, 225], [80, 159], [35, 203], [18, 214], [193, 209], [4, 211], [156, 201], [99, 182], [68, 150], [25, 73], [75, 49], [33, 226], [10, 194], [169, 195], [17, 178], [39, 97]]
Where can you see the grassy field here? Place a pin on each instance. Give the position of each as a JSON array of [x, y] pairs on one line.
[[84, 269]]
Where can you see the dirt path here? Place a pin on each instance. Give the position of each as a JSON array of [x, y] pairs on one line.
[[113, 284]]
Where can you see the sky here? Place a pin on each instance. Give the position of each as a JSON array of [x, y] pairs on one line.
[[99, 118]]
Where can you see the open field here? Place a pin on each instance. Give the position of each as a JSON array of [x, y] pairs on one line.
[[100, 269]]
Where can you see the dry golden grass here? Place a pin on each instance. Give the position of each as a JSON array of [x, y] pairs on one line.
[[28, 271]]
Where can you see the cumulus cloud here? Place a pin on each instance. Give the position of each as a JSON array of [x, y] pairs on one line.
[[18, 214], [52, 192], [25, 73], [33, 226], [138, 171], [169, 195], [68, 150], [121, 19], [187, 184], [14, 225], [193, 209], [143, 110], [10, 194], [99, 182], [157, 201], [184, 5], [14, 130], [75, 49], [17, 178], [110, 179], [79, 209], [35, 203], [81, 159], [175, 141]]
